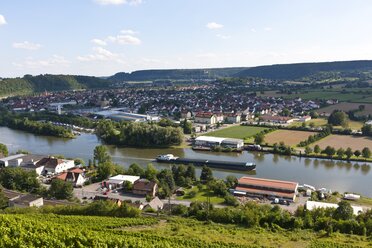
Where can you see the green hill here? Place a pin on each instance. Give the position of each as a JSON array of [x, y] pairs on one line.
[[175, 74], [302, 70], [31, 84]]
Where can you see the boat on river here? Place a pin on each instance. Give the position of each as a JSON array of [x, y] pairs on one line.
[[229, 165]]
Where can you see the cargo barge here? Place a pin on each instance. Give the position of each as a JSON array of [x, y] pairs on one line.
[[229, 165]]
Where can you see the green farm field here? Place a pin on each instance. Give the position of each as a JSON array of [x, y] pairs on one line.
[[236, 132]]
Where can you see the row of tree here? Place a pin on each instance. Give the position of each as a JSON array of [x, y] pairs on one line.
[[315, 137], [340, 219], [341, 153]]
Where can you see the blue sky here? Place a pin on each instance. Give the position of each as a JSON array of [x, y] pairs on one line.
[[102, 37]]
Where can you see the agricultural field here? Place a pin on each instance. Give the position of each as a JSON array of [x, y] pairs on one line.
[[289, 137], [350, 95], [236, 132], [345, 141], [347, 106], [27, 230]]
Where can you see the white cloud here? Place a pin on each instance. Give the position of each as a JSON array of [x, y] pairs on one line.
[[54, 61], [224, 37], [99, 42], [213, 25], [128, 31], [268, 29], [2, 20], [100, 54], [253, 30], [26, 45], [127, 40], [118, 2]]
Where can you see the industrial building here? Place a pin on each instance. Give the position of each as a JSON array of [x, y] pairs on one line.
[[120, 115], [209, 141], [311, 205], [266, 188]]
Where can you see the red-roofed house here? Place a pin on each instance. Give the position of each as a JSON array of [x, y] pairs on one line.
[[206, 118], [268, 188]]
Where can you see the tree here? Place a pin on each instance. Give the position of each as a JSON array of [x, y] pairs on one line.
[[330, 151], [218, 187], [231, 181], [206, 174], [349, 153], [150, 172], [101, 154], [105, 170], [340, 153], [166, 180], [259, 138], [357, 153], [317, 149], [344, 211], [60, 189], [187, 126], [308, 150], [136, 170], [4, 150], [338, 118], [366, 152], [190, 172]]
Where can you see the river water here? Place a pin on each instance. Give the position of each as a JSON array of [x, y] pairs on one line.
[[334, 175]]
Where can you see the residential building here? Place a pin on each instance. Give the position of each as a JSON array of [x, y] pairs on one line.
[[232, 117], [267, 188], [74, 176], [155, 204], [13, 160], [23, 201], [55, 165], [145, 187], [206, 118]]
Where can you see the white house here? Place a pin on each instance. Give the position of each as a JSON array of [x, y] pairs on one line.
[[206, 118], [11, 160], [55, 166]]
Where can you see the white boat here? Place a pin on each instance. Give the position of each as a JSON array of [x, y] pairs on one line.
[[166, 157], [351, 197]]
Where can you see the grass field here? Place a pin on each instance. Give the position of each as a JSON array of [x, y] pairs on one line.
[[344, 141], [289, 137], [237, 132], [316, 122], [201, 196]]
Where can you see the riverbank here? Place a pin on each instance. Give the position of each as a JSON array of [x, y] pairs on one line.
[[318, 172]]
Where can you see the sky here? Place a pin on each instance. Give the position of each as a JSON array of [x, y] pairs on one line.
[[103, 37]]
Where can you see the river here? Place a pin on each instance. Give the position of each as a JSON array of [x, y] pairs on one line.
[[335, 175]]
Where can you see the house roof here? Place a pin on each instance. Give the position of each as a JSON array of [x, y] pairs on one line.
[[204, 115], [267, 183], [143, 184], [265, 192], [156, 204], [121, 178], [49, 162], [209, 139], [25, 199]]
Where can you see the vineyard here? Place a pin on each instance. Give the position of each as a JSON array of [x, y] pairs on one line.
[[51, 230]]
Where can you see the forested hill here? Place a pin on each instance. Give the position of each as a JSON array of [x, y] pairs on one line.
[[303, 70], [176, 74], [30, 84]]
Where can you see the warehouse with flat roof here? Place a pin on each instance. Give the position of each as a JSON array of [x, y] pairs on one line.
[[210, 141], [267, 188]]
